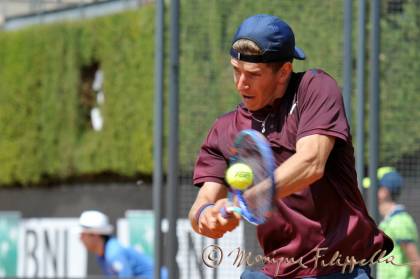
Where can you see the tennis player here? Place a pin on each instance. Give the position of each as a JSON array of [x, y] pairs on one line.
[[318, 207]]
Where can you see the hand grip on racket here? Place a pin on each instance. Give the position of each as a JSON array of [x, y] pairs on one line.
[[254, 198], [227, 211]]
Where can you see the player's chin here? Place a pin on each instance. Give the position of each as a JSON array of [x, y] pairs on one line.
[[250, 104]]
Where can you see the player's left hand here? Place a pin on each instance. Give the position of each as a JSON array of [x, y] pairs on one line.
[[226, 224]]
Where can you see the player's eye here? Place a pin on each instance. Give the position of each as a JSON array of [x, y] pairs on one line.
[[256, 74]]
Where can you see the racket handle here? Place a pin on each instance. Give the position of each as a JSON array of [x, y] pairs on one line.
[[225, 213]]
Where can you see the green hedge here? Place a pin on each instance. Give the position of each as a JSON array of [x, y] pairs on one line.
[[400, 83], [44, 134]]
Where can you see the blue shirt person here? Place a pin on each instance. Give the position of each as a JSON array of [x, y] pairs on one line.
[[113, 258]]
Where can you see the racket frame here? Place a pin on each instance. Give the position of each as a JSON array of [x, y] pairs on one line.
[[266, 153]]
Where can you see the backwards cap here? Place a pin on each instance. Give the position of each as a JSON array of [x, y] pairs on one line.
[[272, 35], [388, 178]]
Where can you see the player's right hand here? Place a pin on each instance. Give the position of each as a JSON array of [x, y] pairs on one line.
[[212, 224]]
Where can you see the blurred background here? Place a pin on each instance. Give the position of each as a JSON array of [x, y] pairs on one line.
[[78, 116]]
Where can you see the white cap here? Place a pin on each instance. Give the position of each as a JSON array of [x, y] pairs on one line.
[[96, 222]]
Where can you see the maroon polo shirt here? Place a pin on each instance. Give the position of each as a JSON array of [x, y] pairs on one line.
[[330, 214]]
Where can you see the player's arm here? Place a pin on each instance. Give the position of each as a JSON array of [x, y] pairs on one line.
[[410, 250], [206, 220], [208, 194], [306, 166]]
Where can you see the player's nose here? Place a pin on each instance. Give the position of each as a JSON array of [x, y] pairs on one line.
[[242, 83]]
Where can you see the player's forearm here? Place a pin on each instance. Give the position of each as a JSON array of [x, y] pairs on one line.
[[296, 174], [305, 167], [410, 250], [415, 268]]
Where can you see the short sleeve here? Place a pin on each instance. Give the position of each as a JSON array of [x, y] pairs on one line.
[[405, 229], [320, 107], [211, 164]]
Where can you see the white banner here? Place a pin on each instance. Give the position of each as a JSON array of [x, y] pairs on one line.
[[50, 247], [193, 247]]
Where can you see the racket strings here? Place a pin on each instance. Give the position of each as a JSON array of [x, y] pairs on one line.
[[259, 203]]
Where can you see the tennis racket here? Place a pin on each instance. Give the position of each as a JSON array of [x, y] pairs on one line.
[[254, 203]]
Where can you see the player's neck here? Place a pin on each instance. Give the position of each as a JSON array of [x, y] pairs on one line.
[[385, 208]]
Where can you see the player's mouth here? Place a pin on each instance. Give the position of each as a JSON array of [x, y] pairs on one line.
[[246, 97]]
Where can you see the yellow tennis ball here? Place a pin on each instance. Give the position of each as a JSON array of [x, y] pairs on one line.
[[239, 176]]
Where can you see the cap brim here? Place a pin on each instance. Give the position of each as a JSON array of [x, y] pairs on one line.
[[299, 54], [103, 231]]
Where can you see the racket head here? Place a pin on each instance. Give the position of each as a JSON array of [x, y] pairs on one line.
[[253, 149]]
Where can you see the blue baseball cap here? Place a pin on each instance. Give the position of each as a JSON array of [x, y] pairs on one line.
[[392, 181], [388, 178], [273, 36]]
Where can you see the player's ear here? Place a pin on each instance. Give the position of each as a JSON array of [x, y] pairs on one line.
[[287, 68], [285, 71]]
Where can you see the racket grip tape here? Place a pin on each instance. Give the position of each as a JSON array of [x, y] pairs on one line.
[[225, 213]]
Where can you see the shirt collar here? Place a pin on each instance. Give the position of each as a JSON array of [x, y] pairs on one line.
[[399, 208]]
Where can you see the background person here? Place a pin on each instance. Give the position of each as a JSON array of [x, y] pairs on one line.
[[113, 258], [398, 224]]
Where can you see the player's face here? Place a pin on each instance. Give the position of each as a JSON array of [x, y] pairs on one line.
[[257, 83], [89, 241], [383, 194]]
